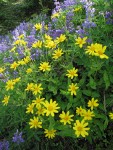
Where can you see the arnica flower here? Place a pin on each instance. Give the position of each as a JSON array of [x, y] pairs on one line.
[[111, 115], [40, 110], [35, 123], [88, 115], [55, 15], [17, 138], [29, 70], [2, 70], [38, 26], [37, 89], [60, 39], [37, 44], [21, 36], [50, 44], [16, 80], [50, 108], [80, 111], [50, 133], [99, 51], [20, 42], [44, 66], [81, 128], [5, 100], [81, 41], [73, 88], [57, 53], [38, 101], [30, 108], [93, 103], [66, 118], [27, 59], [10, 85], [14, 65], [47, 37], [72, 73], [29, 87]]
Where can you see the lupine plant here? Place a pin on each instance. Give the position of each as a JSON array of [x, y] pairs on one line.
[[56, 75]]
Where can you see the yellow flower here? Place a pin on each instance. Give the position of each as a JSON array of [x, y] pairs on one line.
[[29, 87], [13, 49], [21, 36], [88, 115], [50, 133], [20, 42], [57, 53], [14, 65], [50, 44], [16, 80], [72, 73], [93, 103], [55, 15], [2, 70], [21, 62], [29, 70], [47, 37], [37, 89], [80, 111], [5, 100], [38, 101], [44, 66], [79, 8], [37, 44], [90, 50], [40, 111], [51, 107], [35, 123], [80, 41], [73, 88], [30, 108], [27, 59], [66, 118], [60, 39], [99, 51], [81, 128], [10, 85], [111, 115], [38, 26]]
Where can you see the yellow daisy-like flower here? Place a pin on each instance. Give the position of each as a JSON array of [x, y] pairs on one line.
[[30, 108], [51, 107], [29, 70], [5, 100], [80, 41], [88, 115], [93, 103], [14, 65], [27, 59], [38, 101], [99, 51], [72, 73], [60, 39], [66, 118], [37, 44], [80, 111], [50, 44], [81, 128], [111, 115], [10, 85], [40, 110], [55, 15], [16, 80], [21, 62], [2, 70], [50, 133], [44, 66], [37, 89], [48, 37], [29, 87], [73, 88], [57, 53], [35, 123], [38, 26], [91, 49]]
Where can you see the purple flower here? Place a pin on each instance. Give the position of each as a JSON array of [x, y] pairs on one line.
[[17, 138], [4, 145]]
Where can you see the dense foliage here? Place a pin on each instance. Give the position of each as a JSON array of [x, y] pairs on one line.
[[56, 79]]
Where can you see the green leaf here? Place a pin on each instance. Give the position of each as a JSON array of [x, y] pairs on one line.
[[106, 79], [87, 92], [92, 83]]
